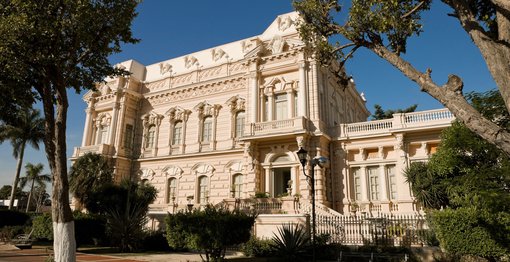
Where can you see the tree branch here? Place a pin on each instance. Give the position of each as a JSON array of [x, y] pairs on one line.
[[343, 47], [413, 10]]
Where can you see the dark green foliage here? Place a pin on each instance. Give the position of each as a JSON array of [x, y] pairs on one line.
[[380, 114], [89, 229], [469, 178], [43, 227], [258, 248], [89, 173], [471, 231], [13, 218], [125, 208], [291, 242], [210, 231], [5, 192], [9, 232], [155, 241]]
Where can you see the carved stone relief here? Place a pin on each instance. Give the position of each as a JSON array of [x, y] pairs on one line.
[[217, 54], [190, 61], [165, 68], [284, 23], [236, 103], [277, 44], [178, 114]]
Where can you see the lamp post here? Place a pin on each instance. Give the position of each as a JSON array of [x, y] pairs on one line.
[[321, 162]]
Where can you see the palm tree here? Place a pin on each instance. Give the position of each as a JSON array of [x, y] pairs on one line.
[[87, 174], [28, 128], [34, 176]]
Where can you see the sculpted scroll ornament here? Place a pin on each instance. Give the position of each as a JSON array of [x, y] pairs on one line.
[[217, 54], [277, 44], [284, 23], [206, 109], [103, 119], [147, 174], [190, 61], [165, 68]]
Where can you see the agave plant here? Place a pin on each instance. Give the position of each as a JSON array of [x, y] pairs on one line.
[[291, 241]]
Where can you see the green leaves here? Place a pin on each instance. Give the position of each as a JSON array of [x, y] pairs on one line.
[[211, 230]]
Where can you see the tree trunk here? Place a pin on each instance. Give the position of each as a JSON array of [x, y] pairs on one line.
[[450, 95], [64, 243], [30, 196], [16, 177]]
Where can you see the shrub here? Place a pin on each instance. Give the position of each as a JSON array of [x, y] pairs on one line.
[[13, 218], [471, 231], [43, 227], [155, 241], [8, 232], [89, 229], [258, 248], [210, 231], [291, 242]]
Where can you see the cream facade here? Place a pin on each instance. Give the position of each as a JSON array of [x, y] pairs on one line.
[[225, 123]]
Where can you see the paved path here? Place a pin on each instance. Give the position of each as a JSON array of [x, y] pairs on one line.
[[9, 253]]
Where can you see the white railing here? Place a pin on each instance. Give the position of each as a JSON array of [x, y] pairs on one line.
[[399, 121], [102, 149], [428, 116], [277, 126]]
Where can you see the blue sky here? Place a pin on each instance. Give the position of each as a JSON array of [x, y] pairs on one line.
[[170, 29]]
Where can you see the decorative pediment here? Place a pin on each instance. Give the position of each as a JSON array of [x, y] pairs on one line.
[[103, 119], [279, 84], [236, 103], [178, 113], [234, 166], [206, 109], [190, 61], [151, 119], [173, 171], [146, 174], [202, 169]]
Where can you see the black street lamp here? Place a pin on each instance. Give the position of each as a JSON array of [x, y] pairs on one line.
[[321, 161]]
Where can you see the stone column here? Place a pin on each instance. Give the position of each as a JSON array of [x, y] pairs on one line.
[[113, 125], [120, 128], [384, 182], [267, 179], [302, 96], [270, 106], [364, 183], [254, 97], [290, 104], [403, 190], [87, 130]]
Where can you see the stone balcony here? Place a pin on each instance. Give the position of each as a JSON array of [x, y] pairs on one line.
[[102, 149], [438, 118], [277, 127]]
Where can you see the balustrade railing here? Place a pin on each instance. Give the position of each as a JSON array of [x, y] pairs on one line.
[[399, 121], [277, 125]]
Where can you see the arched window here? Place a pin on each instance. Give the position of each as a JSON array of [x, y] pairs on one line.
[[177, 134], [207, 129], [240, 116], [151, 132], [203, 189], [238, 185], [172, 189]]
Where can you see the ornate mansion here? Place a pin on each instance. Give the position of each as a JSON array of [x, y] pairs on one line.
[[224, 124]]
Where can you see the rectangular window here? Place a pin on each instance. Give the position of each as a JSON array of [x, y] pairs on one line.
[[295, 104], [176, 139], [373, 177], [266, 108], [392, 182], [240, 124], [207, 130], [281, 107], [357, 183], [128, 137]]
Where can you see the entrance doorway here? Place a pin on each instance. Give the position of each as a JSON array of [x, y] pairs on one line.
[[281, 178]]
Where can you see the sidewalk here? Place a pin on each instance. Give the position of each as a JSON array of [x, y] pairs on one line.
[[9, 253]]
